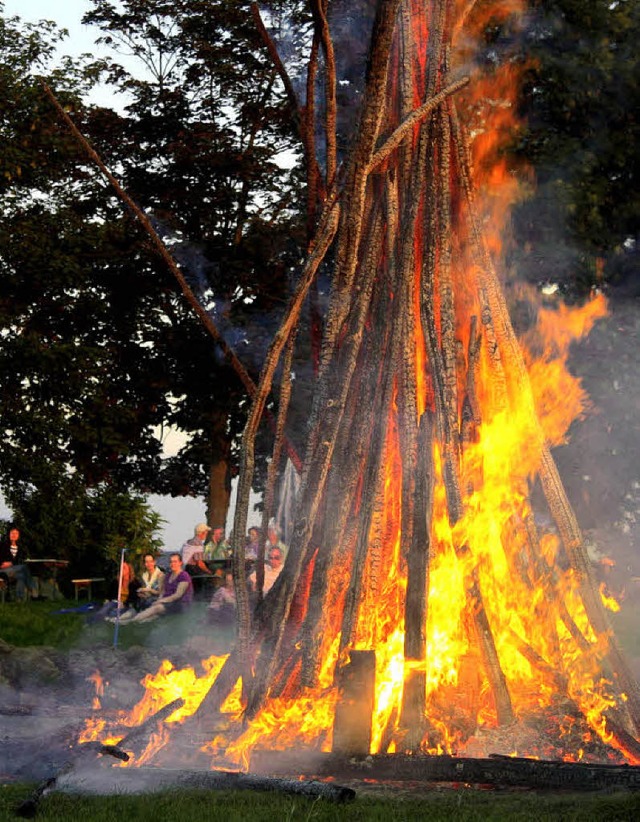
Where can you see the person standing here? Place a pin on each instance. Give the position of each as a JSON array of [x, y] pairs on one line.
[[252, 547], [13, 565]]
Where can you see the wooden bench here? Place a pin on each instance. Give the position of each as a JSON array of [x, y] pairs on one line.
[[85, 585]]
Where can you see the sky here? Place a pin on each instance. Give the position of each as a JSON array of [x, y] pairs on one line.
[[67, 14], [182, 513]]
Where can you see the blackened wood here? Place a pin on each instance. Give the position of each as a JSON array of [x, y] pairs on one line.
[[354, 710], [558, 680], [348, 437], [416, 603], [418, 558], [473, 364], [303, 118], [371, 482], [145, 780], [143, 731], [274, 466], [382, 349], [498, 771], [324, 237], [487, 646], [404, 129], [319, 14]]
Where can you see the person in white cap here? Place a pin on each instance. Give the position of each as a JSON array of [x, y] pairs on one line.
[[192, 551]]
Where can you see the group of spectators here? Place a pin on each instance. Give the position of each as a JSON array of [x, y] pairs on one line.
[[206, 556], [144, 596], [152, 593], [208, 550]]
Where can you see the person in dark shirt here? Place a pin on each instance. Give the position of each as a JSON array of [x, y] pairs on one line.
[[13, 565]]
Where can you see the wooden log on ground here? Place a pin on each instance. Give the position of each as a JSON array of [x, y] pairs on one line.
[[146, 780], [499, 771], [28, 808]]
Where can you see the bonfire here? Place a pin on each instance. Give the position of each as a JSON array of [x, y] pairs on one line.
[[434, 547]]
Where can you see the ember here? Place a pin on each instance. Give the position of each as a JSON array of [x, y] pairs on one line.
[[415, 534]]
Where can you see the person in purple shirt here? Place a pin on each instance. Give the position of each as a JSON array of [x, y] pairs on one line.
[[176, 597]]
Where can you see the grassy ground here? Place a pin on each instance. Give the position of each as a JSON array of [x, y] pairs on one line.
[[40, 623], [436, 806], [33, 623]]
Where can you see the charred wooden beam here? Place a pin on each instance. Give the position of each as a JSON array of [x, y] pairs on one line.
[[354, 711], [28, 808], [498, 771], [416, 602], [487, 646], [144, 730]]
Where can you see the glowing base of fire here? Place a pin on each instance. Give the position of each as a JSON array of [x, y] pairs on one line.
[[555, 731]]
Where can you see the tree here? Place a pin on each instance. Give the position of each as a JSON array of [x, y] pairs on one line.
[[198, 148], [581, 100], [109, 351]]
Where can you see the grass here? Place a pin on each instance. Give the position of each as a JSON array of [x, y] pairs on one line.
[[436, 806], [25, 624], [40, 624]]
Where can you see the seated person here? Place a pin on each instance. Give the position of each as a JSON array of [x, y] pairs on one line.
[[123, 596], [152, 585], [13, 565], [176, 597], [274, 541], [222, 608], [272, 568], [217, 548], [253, 544], [192, 552]]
